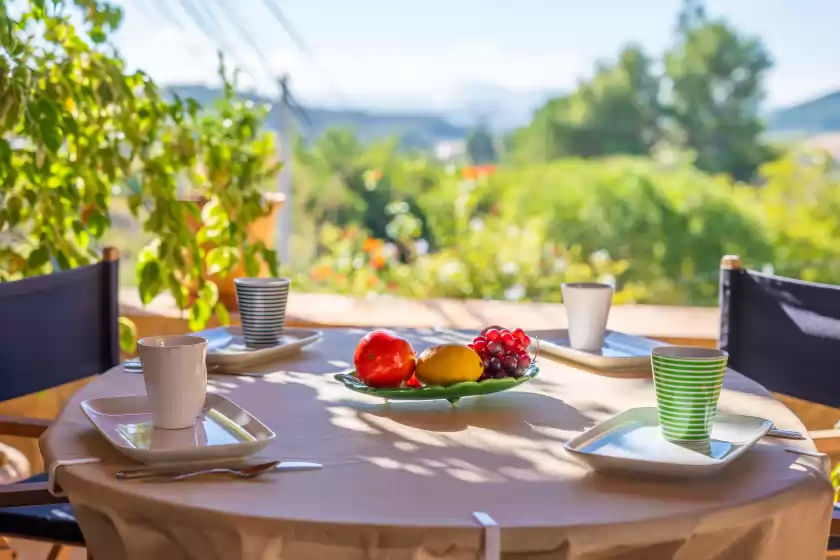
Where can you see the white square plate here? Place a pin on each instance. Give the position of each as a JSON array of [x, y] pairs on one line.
[[632, 442], [226, 346], [620, 351], [223, 431]]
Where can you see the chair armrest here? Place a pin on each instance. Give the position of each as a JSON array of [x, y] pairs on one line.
[[23, 427], [826, 441], [27, 494]]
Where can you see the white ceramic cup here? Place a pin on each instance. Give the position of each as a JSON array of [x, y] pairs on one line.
[[587, 309], [175, 371], [164, 440]]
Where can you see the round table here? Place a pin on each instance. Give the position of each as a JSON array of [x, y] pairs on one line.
[[401, 480]]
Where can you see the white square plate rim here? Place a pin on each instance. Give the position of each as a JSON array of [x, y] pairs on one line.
[[93, 410], [576, 444], [558, 345], [221, 337]]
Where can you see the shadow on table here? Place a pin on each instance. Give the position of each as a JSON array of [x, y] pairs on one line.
[[762, 467], [516, 413], [512, 436]]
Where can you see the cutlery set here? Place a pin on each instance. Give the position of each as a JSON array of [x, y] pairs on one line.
[[173, 473]]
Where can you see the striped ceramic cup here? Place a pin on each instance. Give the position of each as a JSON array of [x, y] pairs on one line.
[[262, 309], [688, 382]]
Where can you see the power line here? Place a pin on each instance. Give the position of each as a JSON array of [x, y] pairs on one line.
[[208, 24], [301, 44], [168, 15], [198, 19], [287, 26], [245, 36]]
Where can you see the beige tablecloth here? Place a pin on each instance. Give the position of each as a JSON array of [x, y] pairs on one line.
[[401, 480]]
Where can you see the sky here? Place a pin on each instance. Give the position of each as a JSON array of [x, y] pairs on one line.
[[381, 52]]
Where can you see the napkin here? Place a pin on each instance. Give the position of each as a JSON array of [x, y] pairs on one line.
[[53, 487]]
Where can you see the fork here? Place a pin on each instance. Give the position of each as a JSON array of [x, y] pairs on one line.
[[251, 471]]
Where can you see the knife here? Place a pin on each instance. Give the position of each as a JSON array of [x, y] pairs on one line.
[[784, 434], [152, 472]]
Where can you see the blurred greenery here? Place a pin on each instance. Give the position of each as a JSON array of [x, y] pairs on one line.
[[78, 129], [655, 227], [706, 100], [643, 176], [481, 147]]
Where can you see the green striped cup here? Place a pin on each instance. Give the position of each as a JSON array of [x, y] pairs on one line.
[[688, 380]]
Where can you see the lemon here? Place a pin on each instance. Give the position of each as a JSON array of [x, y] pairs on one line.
[[447, 364]]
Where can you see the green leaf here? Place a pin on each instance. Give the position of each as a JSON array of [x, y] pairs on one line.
[[222, 314], [134, 202], [98, 36], [179, 292], [270, 257], [220, 260], [252, 265], [128, 335], [13, 208], [63, 261], [5, 152], [31, 196], [97, 223], [199, 314], [209, 294], [193, 210], [38, 257], [150, 282], [51, 135]]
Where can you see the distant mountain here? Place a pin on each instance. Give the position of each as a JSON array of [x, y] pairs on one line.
[[502, 109], [812, 117], [464, 105], [416, 130]]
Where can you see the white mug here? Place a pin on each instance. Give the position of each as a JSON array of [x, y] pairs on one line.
[[164, 440], [587, 308], [175, 372]]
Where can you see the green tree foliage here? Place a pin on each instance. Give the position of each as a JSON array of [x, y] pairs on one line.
[[481, 147], [76, 127], [707, 101], [341, 181], [615, 112], [715, 77], [657, 230]]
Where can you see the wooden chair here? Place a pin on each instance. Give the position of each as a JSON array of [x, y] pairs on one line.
[[785, 334], [53, 329]]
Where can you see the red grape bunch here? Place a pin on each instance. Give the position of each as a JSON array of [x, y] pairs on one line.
[[504, 352]]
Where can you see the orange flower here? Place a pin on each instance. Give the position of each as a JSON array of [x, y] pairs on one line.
[[340, 278], [372, 245], [321, 272], [378, 261], [485, 170], [478, 171], [372, 281]]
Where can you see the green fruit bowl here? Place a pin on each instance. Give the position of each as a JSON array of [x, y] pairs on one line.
[[452, 393]]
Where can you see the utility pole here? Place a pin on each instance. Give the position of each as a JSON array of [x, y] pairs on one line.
[[284, 178]]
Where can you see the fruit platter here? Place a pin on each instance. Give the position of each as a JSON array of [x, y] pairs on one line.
[[387, 366]]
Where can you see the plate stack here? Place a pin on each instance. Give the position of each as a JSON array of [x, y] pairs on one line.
[[262, 308]]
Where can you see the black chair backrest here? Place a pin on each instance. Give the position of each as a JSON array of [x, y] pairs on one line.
[[783, 333], [58, 328]]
